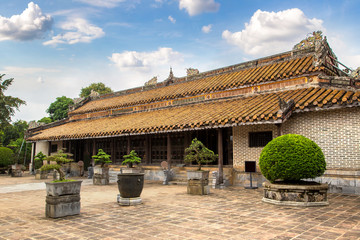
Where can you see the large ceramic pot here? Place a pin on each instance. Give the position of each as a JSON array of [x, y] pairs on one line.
[[130, 184], [62, 199]]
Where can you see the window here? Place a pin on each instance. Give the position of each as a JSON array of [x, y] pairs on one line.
[[259, 139], [54, 148]]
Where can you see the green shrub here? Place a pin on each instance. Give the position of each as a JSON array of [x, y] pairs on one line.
[[197, 152], [291, 158], [131, 158], [6, 157], [102, 158]]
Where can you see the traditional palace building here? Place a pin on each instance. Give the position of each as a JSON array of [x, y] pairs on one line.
[[233, 110]]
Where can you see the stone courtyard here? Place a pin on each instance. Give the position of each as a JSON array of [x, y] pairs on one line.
[[168, 212]]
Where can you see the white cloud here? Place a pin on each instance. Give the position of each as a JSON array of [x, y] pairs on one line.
[[135, 68], [145, 60], [273, 32], [195, 7], [103, 3], [30, 24], [172, 19], [206, 29], [78, 30]]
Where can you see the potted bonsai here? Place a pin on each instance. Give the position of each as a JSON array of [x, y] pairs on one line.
[[130, 184], [198, 181], [130, 160], [39, 158], [286, 162], [62, 196], [101, 173]]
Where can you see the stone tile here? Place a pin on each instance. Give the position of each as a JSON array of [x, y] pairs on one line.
[[169, 213]]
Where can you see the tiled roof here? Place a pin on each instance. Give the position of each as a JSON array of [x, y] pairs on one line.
[[242, 110], [256, 74]]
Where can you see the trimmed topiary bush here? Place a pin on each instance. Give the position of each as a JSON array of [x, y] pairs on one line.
[[291, 158], [6, 157]]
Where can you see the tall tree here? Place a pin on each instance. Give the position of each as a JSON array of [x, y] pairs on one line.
[[97, 87], [59, 109], [8, 104]]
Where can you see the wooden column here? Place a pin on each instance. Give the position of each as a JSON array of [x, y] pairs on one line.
[[187, 141], [49, 150], [33, 149], [128, 145], [279, 129], [220, 177], [112, 146], [147, 149], [93, 152], [168, 149]]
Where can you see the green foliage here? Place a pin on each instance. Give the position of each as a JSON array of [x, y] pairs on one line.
[[14, 131], [65, 180], [199, 153], [97, 87], [45, 120], [39, 158], [102, 158], [6, 157], [60, 158], [291, 158], [59, 109], [20, 152], [131, 158], [8, 104]]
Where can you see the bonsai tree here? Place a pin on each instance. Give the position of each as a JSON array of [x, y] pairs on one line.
[[39, 158], [102, 158], [199, 153], [291, 158], [60, 158], [131, 158]]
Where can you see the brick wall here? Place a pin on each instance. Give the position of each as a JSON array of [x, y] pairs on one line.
[[241, 149], [337, 132]]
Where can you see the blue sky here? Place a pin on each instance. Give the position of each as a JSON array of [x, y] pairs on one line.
[[54, 48]]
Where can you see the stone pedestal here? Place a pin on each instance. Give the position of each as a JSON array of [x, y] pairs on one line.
[[101, 176], [198, 187], [198, 182], [16, 173], [128, 201], [62, 199], [61, 206], [305, 195], [41, 174]]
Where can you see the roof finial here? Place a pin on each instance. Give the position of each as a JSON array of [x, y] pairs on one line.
[[171, 75]]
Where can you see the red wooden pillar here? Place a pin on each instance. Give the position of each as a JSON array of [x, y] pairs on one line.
[[220, 177], [93, 152], [168, 149]]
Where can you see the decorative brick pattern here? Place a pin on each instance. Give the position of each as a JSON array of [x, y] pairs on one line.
[[337, 132], [242, 151]]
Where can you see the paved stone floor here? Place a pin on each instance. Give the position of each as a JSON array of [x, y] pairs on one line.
[[169, 213]]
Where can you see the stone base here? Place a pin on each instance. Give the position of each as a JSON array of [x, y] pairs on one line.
[[61, 206], [128, 201], [296, 195], [41, 174], [198, 187], [16, 173], [101, 179]]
